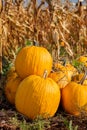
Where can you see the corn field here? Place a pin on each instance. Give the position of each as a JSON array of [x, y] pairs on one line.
[[58, 26]]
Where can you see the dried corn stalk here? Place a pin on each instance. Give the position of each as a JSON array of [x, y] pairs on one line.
[[35, 23]]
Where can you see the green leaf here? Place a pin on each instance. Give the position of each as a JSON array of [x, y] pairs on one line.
[[28, 43]]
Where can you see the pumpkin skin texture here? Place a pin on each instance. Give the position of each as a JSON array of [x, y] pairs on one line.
[[74, 98], [33, 60], [39, 96], [11, 86], [60, 78]]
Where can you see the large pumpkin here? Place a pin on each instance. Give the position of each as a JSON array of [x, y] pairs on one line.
[[37, 96], [74, 98], [33, 60], [12, 82], [60, 78]]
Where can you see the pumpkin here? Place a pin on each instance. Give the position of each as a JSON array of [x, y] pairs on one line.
[[60, 78], [58, 66], [83, 59], [69, 70], [62, 44], [33, 60], [12, 82], [74, 98], [11, 72], [37, 96], [78, 77]]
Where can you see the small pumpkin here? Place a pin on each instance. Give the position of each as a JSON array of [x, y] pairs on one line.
[[11, 72], [60, 78], [62, 44], [58, 66], [83, 59], [12, 82], [39, 96], [69, 70], [78, 77], [33, 60], [74, 98]]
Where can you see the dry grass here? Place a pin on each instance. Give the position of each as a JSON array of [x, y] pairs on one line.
[[47, 25]]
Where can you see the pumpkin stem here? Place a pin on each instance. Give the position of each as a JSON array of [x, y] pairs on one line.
[[35, 43], [45, 74], [84, 77], [64, 61]]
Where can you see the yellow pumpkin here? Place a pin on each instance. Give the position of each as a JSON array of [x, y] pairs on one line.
[[58, 66], [60, 78], [33, 60], [78, 77], [69, 70], [62, 44], [83, 59], [37, 96], [12, 82], [74, 98]]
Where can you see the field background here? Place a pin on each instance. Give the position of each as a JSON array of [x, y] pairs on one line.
[[49, 26]]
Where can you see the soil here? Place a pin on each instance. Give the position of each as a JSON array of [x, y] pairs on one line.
[[61, 120]]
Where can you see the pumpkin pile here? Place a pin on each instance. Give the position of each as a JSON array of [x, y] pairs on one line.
[[36, 89], [28, 86]]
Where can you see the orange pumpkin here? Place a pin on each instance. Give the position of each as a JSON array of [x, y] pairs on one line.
[[33, 60], [12, 82], [39, 96], [74, 97], [11, 72]]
